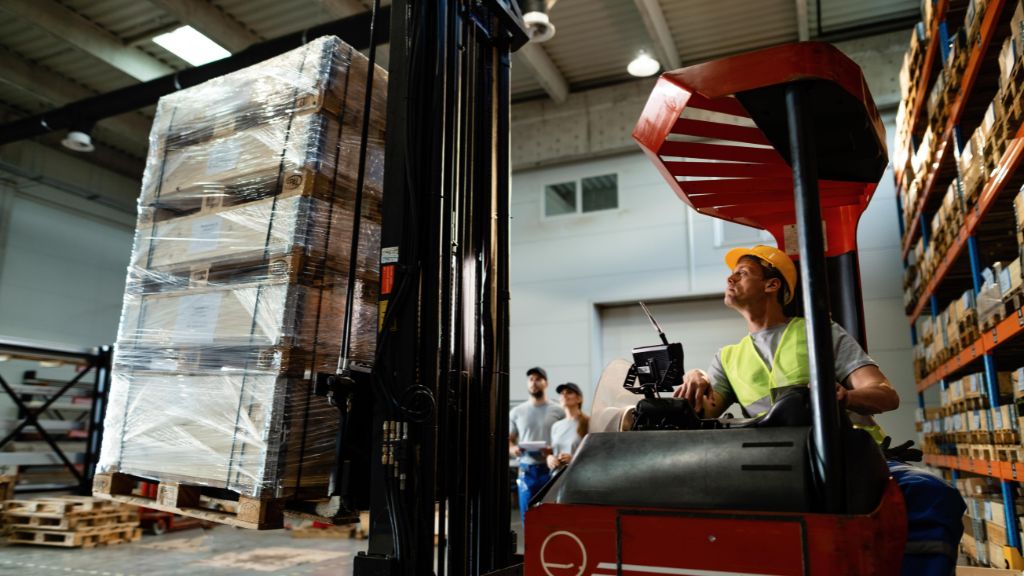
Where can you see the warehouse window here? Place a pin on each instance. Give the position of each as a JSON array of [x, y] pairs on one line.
[[560, 199], [728, 235], [590, 194]]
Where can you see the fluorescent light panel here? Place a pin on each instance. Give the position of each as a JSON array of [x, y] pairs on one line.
[[191, 46]]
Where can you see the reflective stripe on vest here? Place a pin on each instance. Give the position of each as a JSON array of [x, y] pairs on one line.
[[756, 386]]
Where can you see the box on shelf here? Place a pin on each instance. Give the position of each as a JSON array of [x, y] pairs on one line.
[[236, 292], [1008, 56]]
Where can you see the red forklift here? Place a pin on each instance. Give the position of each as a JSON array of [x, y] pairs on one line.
[[786, 139]]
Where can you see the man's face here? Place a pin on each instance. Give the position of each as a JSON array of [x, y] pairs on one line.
[[746, 285], [536, 384]]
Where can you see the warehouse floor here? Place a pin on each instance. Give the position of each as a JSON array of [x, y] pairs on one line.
[[218, 551], [222, 550]]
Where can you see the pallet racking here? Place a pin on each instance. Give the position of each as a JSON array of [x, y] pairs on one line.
[[959, 132]]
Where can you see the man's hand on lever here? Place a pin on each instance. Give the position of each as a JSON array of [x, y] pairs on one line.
[[696, 389], [696, 385]]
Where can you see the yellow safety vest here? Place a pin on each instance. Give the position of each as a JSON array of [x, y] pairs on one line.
[[757, 387]]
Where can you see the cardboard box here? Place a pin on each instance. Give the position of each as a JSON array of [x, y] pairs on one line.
[[995, 512], [227, 315], [995, 533], [996, 555], [969, 546], [976, 486], [1014, 275]]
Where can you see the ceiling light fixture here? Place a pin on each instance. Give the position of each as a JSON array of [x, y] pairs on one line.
[[538, 26], [191, 46], [78, 141], [643, 65], [535, 18]]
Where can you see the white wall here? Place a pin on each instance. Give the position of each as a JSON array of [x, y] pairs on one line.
[[66, 231], [63, 254]]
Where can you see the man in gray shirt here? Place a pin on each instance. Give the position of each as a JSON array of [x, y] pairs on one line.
[[774, 354], [530, 422]]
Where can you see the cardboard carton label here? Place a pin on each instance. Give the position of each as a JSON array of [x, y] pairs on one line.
[[197, 317], [205, 234], [223, 156]]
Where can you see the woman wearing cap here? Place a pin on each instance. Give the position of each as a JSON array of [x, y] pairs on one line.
[[567, 433]]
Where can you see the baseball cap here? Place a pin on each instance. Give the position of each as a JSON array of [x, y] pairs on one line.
[[772, 257], [570, 386], [538, 371]]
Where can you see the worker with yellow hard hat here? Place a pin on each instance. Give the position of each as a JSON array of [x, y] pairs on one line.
[[773, 355]]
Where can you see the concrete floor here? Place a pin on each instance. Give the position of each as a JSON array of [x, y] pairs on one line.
[[218, 551]]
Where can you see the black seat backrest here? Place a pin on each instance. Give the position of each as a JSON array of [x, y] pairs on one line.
[[791, 408]]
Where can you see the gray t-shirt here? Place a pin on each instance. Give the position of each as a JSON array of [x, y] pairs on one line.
[[564, 438], [532, 423], [849, 356]]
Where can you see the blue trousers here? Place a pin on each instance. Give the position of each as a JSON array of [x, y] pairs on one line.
[[532, 477], [934, 520]]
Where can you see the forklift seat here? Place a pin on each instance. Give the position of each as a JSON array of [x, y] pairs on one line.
[[763, 469]]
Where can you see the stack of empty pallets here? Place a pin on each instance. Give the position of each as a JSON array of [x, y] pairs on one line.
[[236, 291], [70, 522]]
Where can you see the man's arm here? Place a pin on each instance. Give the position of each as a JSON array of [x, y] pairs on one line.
[[867, 391], [513, 445], [513, 437], [697, 389]]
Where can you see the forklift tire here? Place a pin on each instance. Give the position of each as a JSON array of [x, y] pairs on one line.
[[159, 527]]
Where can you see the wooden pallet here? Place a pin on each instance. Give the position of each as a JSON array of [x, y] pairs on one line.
[[70, 521], [57, 505], [254, 233], [7, 484], [1007, 453], [245, 187], [974, 402], [114, 534], [220, 125], [1006, 437], [983, 452], [184, 499], [291, 266], [991, 320]]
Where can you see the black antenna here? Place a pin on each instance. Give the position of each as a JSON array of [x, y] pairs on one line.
[[657, 327]]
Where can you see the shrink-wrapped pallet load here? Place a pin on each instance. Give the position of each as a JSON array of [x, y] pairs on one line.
[[236, 290]]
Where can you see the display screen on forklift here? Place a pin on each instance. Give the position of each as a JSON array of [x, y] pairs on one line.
[[659, 367]]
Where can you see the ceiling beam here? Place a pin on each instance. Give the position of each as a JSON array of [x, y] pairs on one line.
[[211, 21], [534, 57], [657, 29], [83, 34], [103, 156], [56, 90], [803, 25], [342, 8]]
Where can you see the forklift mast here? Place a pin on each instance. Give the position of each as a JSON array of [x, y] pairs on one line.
[[440, 382]]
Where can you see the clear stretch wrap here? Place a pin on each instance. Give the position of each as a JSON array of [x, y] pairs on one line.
[[236, 290]]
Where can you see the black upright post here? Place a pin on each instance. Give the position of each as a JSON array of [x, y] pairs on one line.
[[97, 412], [828, 458], [845, 294]]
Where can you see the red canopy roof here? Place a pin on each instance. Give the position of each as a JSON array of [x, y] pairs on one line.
[[717, 132]]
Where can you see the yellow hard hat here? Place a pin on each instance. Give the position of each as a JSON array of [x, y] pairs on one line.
[[772, 257]]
